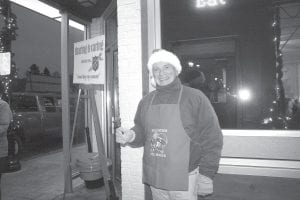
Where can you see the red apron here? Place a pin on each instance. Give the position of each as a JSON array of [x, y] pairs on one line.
[[167, 148]]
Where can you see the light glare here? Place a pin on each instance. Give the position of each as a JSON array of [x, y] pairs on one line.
[[223, 2], [212, 3], [244, 94], [39, 7], [191, 64], [209, 3], [44, 9]]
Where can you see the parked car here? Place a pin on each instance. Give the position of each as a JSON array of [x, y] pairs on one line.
[[35, 116]]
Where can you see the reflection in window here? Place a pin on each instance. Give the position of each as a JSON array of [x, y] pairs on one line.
[[49, 104], [244, 57], [210, 76], [22, 103]]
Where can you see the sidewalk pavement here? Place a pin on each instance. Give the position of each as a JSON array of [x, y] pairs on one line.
[[42, 178], [81, 192]]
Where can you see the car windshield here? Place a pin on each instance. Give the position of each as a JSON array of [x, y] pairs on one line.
[[23, 103]]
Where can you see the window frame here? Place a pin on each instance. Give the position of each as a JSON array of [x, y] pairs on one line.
[[234, 166]]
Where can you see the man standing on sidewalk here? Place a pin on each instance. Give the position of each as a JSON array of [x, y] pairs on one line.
[[180, 133], [5, 119]]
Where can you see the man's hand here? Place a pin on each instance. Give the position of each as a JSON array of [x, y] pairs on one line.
[[204, 185], [124, 136]]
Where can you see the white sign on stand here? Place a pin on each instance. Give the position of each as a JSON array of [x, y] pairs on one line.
[[5, 63], [89, 61], [89, 72]]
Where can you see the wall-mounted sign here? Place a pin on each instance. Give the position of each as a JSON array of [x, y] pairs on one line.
[[5, 63], [89, 61]]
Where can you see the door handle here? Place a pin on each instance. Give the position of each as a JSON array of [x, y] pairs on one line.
[[116, 122]]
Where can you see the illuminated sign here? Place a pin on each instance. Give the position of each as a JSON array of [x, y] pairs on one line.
[[209, 3]]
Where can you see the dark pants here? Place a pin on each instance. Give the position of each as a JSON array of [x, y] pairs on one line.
[[0, 186], [3, 165]]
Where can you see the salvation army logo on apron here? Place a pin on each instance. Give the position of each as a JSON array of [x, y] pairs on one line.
[[158, 142]]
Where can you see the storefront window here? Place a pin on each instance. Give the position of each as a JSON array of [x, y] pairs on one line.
[[244, 56]]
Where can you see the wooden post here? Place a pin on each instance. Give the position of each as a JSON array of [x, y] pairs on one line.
[[65, 102]]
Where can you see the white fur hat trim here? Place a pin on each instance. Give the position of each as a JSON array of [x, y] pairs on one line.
[[164, 56]]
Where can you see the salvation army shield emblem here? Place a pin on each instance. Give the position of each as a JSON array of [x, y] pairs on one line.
[[95, 63]]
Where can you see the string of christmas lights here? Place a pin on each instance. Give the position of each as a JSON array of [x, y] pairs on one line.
[[279, 63], [277, 109], [7, 35]]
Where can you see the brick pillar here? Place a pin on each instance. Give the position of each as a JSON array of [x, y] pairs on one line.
[[130, 83]]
